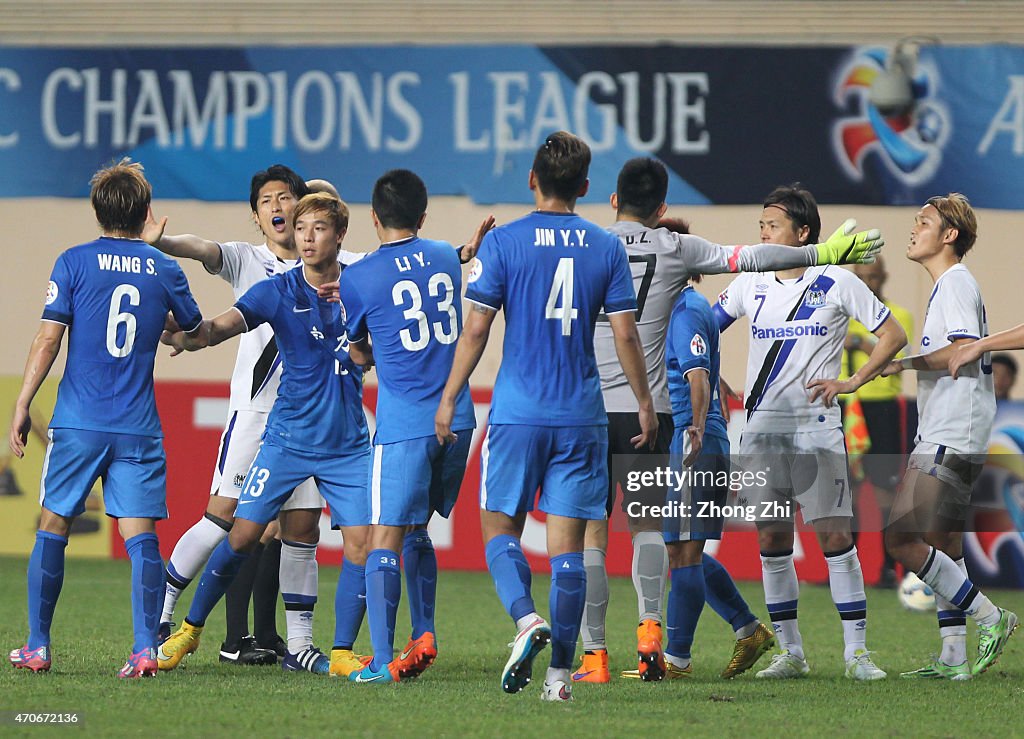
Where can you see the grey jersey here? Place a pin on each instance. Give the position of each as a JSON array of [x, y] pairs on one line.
[[662, 262]]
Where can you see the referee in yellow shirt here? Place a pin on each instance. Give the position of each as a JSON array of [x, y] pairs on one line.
[[885, 411]]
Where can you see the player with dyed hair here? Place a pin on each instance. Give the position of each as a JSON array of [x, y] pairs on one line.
[[114, 293], [552, 272], [406, 298], [273, 194], [955, 415], [798, 322], [316, 428], [665, 259]]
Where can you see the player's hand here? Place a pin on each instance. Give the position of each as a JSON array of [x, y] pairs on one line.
[[471, 247], [330, 291], [893, 368], [675, 225], [725, 394], [963, 355], [170, 324], [21, 425], [846, 247], [827, 390], [443, 423], [153, 230], [175, 340], [695, 437], [648, 428]]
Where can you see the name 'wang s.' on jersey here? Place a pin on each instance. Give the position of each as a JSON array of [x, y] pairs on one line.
[[114, 294]]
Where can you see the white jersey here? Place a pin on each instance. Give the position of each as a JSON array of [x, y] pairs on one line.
[[797, 329], [257, 374], [662, 263], [955, 413]]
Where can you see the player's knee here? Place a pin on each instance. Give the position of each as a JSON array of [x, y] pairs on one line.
[[52, 523], [221, 508]]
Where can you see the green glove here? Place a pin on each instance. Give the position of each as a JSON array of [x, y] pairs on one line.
[[846, 247]]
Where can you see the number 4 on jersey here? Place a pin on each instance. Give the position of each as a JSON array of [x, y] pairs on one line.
[[561, 290]]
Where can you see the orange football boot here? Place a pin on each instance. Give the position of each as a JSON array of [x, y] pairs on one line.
[[648, 651], [593, 668]]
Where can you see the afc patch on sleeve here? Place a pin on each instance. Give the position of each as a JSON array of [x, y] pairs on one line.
[[476, 270], [697, 346], [723, 298], [51, 292]]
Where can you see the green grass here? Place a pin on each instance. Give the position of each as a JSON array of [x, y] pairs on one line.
[[461, 696]]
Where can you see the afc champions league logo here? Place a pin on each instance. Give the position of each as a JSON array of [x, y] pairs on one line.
[[906, 135]]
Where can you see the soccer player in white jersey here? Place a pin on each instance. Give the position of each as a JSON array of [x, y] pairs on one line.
[[798, 321], [955, 415], [273, 195], [663, 263]]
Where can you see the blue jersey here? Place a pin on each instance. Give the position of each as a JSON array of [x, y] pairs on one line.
[[693, 342], [552, 273], [113, 295], [319, 406], [407, 296]]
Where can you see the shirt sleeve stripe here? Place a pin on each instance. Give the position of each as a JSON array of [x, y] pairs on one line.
[[481, 302]]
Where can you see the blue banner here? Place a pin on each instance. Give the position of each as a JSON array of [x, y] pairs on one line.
[[731, 123]]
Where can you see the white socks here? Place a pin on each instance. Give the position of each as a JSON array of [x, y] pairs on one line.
[[846, 581], [781, 593], [188, 559], [299, 583]]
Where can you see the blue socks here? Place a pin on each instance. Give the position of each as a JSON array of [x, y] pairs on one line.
[[568, 597], [213, 583], [147, 587], [685, 603], [723, 596], [45, 578], [420, 563], [511, 573], [349, 604], [383, 592]]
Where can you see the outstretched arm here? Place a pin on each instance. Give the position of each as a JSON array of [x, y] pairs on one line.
[[44, 350], [936, 361], [470, 348], [630, 352], [185, 246], [209, 333], [969, 352], [842, 247]]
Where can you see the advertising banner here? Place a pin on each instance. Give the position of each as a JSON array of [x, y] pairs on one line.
[[858, 125]]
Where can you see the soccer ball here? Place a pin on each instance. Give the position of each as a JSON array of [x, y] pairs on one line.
[[915, 595]]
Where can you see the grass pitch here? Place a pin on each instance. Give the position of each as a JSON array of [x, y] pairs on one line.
[[461, 696]]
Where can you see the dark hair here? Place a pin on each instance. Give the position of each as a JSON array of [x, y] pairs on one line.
[[956, 212], [120, 197], [276, 173], [561, 165], [1007, 361], [642, 187], [798, 203], [399, 199]]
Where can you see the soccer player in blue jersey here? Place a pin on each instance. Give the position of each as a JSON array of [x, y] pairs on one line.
[[316, 428], [700, 445], [406, 299], [552, 272], [113, 294]]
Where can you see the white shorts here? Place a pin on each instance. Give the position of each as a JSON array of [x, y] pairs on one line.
[[805, 469], [238, 446], [958, 470]]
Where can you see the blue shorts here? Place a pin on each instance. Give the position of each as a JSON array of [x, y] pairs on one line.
[[277, 471], [694, 512], [133, 470], [568, 463], [411, 479]]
